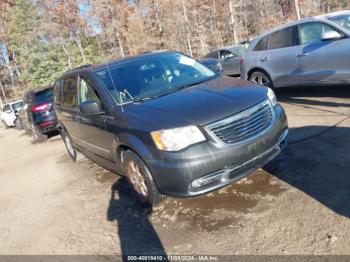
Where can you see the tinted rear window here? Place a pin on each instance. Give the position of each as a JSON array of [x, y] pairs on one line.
[[284, 38], [43, 95]]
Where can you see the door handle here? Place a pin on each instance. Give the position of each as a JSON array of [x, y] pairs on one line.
[[264, 59], [302, 54]]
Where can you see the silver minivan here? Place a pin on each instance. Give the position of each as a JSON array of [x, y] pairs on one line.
[[311, 51]]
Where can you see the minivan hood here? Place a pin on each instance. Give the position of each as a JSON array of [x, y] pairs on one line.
[[201, 104]]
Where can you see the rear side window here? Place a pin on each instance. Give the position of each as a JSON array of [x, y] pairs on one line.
[[284, 38], [261, 45], [70, 92], [58, 92]]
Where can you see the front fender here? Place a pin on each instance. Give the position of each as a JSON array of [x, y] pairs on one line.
[[129, 141]]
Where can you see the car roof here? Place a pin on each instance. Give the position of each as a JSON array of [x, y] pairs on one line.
[[14, 102], [298, 22], [304, 20], [89, 68], [333, 14], [229, 47]]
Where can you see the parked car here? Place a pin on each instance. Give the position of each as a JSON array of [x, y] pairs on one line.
[[212, 64], [312, 51], [9, 113], [342, 18], [229, 57], [38, 116], [169, 124]]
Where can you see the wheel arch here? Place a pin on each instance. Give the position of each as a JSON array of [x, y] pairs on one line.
[[258, 69], [134, 144]]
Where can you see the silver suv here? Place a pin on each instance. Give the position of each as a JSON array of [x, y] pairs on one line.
[[312, 51]]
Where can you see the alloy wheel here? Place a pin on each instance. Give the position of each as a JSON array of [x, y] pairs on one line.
[[261, 79], [69, 146], [136, 179]]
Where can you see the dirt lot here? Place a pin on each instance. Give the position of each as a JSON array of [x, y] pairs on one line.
[[49, 205]]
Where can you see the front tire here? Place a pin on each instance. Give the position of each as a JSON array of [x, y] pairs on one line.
[[4, 124], [74, 154], [140, 179], [261, 78]]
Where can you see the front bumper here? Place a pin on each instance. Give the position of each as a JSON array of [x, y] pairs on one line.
[[186, 173]]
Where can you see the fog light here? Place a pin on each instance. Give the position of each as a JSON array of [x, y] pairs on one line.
[[206, 180]]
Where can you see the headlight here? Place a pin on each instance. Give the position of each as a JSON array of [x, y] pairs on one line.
[[177, 138], [272, 97]]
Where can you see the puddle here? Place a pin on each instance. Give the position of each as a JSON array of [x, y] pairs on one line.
[[220, 208]]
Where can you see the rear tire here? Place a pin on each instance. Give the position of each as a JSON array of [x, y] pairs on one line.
[[37, 135], [26, 128], [140, 179], [74, 154], [18, 124], [262, 78]]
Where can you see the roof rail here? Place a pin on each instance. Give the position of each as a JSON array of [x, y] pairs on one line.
[[81, 67]]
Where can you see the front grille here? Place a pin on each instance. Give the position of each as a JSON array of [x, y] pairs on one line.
[[245, 125]]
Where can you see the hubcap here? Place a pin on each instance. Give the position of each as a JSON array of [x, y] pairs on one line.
[[136, 179], [261, 79], [69, 145]]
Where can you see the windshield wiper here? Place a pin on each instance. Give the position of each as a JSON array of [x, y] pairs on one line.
[[137, 100]]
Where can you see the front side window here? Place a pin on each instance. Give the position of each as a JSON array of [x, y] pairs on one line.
[[7, 108], [311, 33], [151, 76], [225, 54], [87, 92], [70, 92], [283, 38], [342, 20]]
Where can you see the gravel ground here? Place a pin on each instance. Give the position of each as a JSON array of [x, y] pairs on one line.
[[49, 205]]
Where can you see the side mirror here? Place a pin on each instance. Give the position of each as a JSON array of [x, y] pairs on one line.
[[90, 108], [331, 35]]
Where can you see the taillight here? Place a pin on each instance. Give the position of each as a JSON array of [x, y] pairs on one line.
[[241, 62], [47, 123], [41, 107]]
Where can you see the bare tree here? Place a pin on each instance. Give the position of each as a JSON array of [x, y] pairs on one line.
[[297, 9]]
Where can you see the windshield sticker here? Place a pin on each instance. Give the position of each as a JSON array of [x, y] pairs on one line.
[[186, 61]]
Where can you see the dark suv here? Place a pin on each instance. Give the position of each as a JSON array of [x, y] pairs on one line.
[[169, 124], [37, 116]]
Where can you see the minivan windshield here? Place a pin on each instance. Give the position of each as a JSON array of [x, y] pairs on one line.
[[342, 20], [151, 76], [17, 106]]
